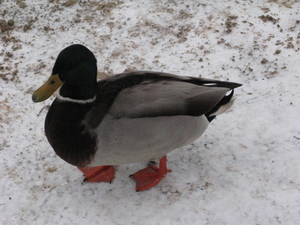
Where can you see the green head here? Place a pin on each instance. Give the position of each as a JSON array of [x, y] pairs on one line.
[[75, 70]]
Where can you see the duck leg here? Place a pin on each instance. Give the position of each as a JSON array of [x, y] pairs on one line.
[[98, 174], [151, 175]]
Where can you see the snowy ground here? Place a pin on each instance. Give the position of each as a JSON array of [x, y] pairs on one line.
[[245, 169]]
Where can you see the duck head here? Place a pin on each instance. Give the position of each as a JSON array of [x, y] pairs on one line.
[[75, 71]]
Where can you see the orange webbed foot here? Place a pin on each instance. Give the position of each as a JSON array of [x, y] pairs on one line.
[[98, 174], [151, 175]]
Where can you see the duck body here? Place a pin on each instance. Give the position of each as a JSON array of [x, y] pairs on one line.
[[145, 139], [127, 118]]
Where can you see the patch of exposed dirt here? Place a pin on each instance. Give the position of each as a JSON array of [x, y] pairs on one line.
[[230, 23], [268, 18]]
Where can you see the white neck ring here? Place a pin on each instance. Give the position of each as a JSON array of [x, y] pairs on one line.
[[67, 99]]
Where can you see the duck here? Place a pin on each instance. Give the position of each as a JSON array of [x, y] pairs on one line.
[[131, 117]]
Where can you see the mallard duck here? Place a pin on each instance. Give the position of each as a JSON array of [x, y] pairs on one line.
[[127, 118]]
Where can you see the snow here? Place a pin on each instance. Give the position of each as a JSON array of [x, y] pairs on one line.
[[243, 170]]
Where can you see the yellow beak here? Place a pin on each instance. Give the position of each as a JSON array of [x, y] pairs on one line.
[[47, 89]]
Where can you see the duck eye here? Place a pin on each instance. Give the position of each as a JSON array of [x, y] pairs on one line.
[[52, 81]]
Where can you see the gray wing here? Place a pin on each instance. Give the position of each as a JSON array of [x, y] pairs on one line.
[[166, 98]]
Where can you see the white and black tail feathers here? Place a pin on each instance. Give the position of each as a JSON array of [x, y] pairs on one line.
[[224, 105]]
